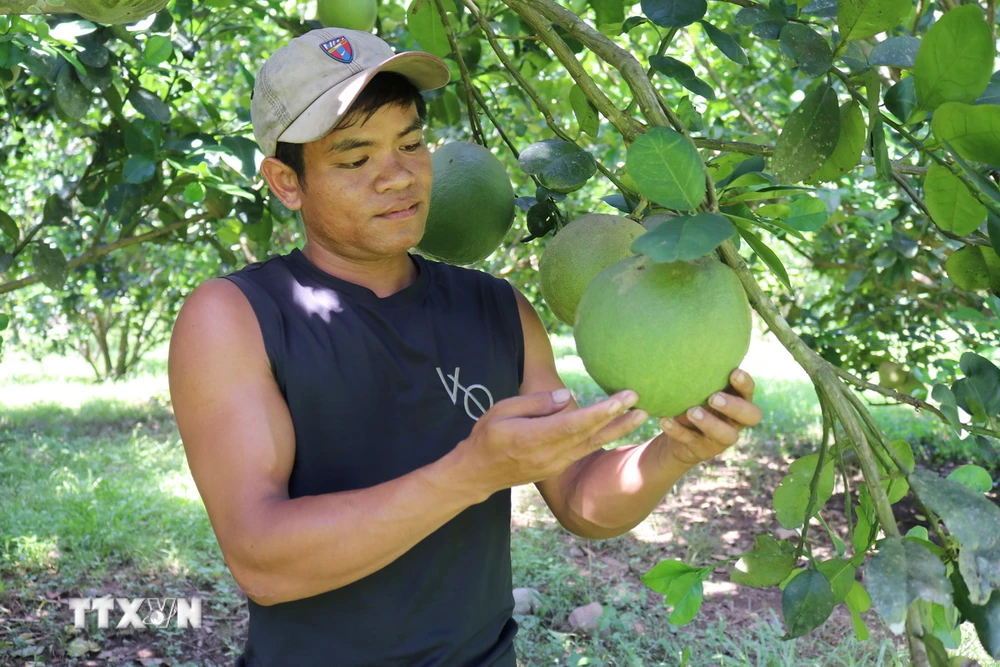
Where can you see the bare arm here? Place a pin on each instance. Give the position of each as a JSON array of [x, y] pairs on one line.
[[240, 445]]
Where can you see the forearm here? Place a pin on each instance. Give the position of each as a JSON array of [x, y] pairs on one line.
[[314, 544], [618, 488]]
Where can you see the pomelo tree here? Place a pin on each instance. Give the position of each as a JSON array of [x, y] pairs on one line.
[[856, 139]]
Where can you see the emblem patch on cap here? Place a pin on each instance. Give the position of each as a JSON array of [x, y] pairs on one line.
[[339, 49]]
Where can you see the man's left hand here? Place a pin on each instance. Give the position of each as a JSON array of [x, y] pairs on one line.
[[706, 431]]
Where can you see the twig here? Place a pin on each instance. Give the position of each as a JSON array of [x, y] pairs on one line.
[[477, 129], [902, 398], [724, 88]]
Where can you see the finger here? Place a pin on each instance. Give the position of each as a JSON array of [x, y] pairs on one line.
[[741, 381], [688, 444], [538, 404], [741, 412], [619, 428], [718, 430], [586, 421]]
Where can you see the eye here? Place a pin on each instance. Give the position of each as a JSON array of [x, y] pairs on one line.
[[414, 147], [354, 165]]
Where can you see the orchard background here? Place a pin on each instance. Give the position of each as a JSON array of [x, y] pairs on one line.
[[838, 156]]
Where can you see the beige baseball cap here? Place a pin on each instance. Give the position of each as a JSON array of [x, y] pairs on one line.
[[306, 86]]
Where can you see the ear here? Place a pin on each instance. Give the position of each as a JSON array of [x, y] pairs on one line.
[[283, 181]]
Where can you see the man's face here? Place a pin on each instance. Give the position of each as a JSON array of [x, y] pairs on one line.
[[368, 185]]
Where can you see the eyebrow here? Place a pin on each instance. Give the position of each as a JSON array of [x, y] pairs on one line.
[[350, 144]]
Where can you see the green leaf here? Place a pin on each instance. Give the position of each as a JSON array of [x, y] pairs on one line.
[[972, 476], [955, 59], [425, 25], [9, 227], [149, 105], [683, 74], [806, 603], [139, 169], [972, 129], [560, 166], [947, 404], [901, 100], [767, 564], [768, 256], [860, 19], [981, 385], [985, 618], [897, 487], [858, 602], [974, 521], [725, 43], [901, 572], [71, 97], [809, 137], [952, 206], [689, 115], [806, 214], [807, 49], [158, 49], [895, 52], [792, 494], [668, 169], [4, 321], [840, 573], [50, 265], [881, 151], [6, 261], [674, 13], [664, 573], [194, 193], [56, 210], [586, 113], [684, 238], [609, 12], [851, 144], [685, 596]]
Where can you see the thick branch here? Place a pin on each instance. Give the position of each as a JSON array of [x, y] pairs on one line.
[[528, 9], [102, 251]]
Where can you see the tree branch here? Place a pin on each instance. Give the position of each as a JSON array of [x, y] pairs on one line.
[[104, 250]]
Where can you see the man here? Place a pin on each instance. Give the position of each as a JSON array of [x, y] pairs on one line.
[[354, 416]]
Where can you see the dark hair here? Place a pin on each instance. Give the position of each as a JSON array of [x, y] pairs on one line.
[[384, 89]]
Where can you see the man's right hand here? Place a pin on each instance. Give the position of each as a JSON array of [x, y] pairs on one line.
[[526, 439]]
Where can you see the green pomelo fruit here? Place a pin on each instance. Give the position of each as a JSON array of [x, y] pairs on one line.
[[350, 14], [114, 11], [967, 269], [577, 253], [673, 333], [472, 205]]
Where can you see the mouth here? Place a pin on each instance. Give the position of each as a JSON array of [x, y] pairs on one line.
[[401, 212]]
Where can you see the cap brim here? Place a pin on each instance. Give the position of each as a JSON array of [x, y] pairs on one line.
[[427, 72]]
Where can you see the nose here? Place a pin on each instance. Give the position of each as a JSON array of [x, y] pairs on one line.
[[396, 174]]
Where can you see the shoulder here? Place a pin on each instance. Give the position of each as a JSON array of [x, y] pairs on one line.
[[215, 325]]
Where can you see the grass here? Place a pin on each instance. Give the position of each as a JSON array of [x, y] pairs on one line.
[[99, 499]]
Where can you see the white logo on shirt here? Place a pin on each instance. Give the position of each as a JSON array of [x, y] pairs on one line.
[[469, 396]]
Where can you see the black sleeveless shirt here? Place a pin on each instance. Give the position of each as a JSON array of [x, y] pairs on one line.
[[376, 388]]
